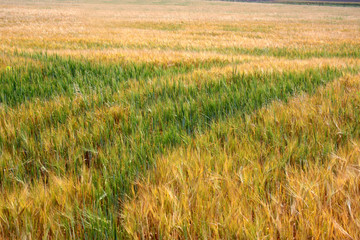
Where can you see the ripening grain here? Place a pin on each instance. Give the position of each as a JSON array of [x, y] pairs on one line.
[[293, 167], [181, 119]]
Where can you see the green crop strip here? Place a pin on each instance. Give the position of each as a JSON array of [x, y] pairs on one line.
[[304, 52], [298, 53], [67, 77]]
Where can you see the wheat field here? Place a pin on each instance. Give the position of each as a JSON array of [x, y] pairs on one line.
[[179, 119]]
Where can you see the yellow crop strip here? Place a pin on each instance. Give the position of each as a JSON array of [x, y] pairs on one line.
[[245, 189]]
